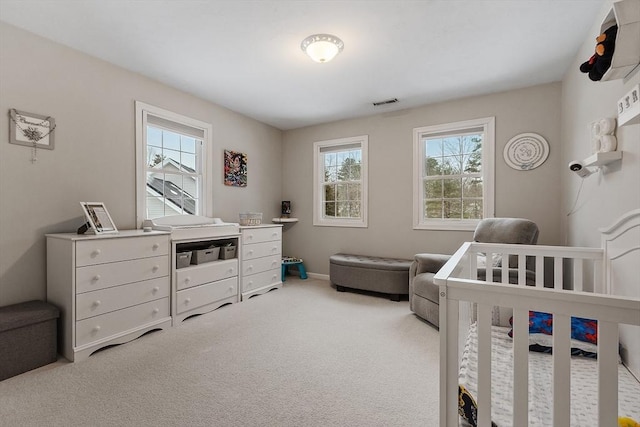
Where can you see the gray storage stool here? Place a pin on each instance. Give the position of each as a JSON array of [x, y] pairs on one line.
[[370, 273], [28, 337]]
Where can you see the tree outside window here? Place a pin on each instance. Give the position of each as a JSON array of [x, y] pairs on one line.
[[453, 173], [340, 182]]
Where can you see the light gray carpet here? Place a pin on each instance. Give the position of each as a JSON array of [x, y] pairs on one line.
[[303, 355]]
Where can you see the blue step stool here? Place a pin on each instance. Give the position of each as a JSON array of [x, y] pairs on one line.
[[288, 262]]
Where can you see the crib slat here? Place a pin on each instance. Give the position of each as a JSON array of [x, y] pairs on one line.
[[473, 267], [449, 365], [557, 272], [522, 270], [577, 274], [599, 279], [489, 267], [521, 367], [505, 268], [561, 369], [539, 271], [607, 373], [484, 365]]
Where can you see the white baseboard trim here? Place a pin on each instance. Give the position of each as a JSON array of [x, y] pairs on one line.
[[311, 275]]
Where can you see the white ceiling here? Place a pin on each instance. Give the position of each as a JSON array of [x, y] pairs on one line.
[[246, 56]]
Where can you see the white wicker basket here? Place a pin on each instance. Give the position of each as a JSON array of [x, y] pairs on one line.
[[251, 218]]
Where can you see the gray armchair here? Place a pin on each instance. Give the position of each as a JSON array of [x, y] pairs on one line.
[[423, 293]]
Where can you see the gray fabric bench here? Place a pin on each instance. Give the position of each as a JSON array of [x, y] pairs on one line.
[[28, 335], [369, 273]]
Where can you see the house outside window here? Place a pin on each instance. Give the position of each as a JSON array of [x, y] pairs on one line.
[[340, 182], [453, 174], [171, 163]]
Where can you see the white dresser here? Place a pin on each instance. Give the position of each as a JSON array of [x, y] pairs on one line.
[[109, 288], [198, 289], [261, 259]]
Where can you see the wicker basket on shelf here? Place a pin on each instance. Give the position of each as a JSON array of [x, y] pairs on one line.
[[251, 218]]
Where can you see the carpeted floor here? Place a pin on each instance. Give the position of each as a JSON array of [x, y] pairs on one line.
[[303, 355]]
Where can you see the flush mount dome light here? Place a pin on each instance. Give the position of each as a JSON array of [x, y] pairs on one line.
[[322, 47]]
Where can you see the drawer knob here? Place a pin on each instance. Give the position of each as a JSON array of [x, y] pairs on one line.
[[274, 277], [155, 268], [96, 328], [187, 300], [230, 289], [231, 271], [274, 263], [155, 289], [155, 246], [96, 277], [250, 236], [156, 310], [95, 253], [275, 235], [274, 249], [187, 279], [250, 252], [96, 303], [250, 268]]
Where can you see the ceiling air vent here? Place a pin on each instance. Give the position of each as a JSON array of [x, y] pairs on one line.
[[385, 102]]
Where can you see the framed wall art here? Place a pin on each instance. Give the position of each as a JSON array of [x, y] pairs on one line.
[[31, 130], [526, 151], [235, 169]]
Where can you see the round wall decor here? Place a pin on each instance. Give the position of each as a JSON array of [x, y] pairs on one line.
[[526, 151]]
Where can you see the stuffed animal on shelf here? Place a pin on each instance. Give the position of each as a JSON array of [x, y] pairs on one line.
[[600, 61], [627, 422]]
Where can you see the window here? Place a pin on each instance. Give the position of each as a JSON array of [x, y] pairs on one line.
[[340, 182], [453, 174], [171, 163]]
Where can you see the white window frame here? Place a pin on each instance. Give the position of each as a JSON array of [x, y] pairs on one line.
[[488, 171], [318, 182], [205, 191]]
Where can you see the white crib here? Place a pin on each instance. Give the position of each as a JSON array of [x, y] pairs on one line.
[[595, 283]]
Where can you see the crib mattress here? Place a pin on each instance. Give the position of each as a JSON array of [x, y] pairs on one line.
[[584, 388]]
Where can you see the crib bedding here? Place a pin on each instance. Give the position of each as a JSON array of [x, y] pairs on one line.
[[583, 379]]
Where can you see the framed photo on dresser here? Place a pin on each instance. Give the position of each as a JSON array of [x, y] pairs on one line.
[[98, 217]]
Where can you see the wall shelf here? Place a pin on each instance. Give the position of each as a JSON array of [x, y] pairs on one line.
[[626, 15], [284, 220], [601, 159]]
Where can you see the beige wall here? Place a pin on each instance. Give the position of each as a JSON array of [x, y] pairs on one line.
[[94, 156], [608, 195], [93, 104], [530, 194], [615, 190]]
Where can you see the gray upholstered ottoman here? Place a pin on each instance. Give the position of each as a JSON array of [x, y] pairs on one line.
[[28, 336], [385, 275]]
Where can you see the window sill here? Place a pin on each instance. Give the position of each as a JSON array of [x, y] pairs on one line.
[[448, 225], [350, 224]]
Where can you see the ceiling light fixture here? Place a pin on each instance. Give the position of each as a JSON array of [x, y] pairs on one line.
[[322, 47]]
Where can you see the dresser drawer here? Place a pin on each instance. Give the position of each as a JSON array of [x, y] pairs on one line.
[[107, 325], [205, 273], [259, 235], [266, 278], [258, 265], [94, 303], [99, 251], [260, 250], [102, 276], [206, 294]]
